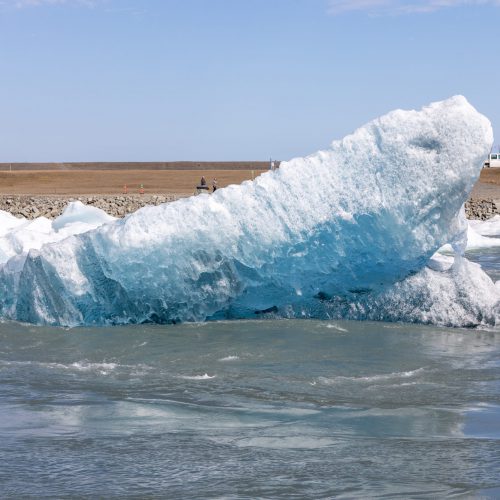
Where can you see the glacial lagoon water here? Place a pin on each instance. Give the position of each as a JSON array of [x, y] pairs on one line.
[[246, 409]]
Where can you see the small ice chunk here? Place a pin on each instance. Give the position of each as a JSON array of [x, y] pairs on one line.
[[77, 212]]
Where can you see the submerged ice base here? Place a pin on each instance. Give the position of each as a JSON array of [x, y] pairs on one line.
[[338, 232]]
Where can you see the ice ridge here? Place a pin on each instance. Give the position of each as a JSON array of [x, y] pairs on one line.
[[341, 232]]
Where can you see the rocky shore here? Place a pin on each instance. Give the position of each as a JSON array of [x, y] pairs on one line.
[[482, 209], [32, 207]]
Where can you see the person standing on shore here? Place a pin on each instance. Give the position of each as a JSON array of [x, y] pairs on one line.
[[203, 181], [214, 185]]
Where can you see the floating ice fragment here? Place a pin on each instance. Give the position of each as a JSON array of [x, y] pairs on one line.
[[206, 376], [78, 213], [352, 227], [19, 235], [229, 358], [490, 227]]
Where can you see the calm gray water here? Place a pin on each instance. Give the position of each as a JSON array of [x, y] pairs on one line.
[[290, 409]]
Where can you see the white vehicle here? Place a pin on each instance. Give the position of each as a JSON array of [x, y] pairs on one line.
[[493, 160]]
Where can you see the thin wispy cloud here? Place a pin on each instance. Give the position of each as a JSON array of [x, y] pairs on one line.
[[22, 4], [400, 7]]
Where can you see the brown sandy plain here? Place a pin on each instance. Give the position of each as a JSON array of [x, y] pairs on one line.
[[488, 186], [112, 182], [73, 182]]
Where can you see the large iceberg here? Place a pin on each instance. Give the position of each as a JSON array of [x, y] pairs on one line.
[[347, 231]]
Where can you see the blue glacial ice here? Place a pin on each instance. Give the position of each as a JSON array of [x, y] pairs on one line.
[[349, 232]]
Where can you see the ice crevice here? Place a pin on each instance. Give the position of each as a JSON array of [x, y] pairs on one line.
[[347, 232]]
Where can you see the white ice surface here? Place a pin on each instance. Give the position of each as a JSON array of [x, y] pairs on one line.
[[490, 227], [81, 218], [457, 294], [19, 235], [338, 232], [476, 238], [480, 235]]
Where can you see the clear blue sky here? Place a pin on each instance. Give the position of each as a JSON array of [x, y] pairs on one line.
[[145, 80]]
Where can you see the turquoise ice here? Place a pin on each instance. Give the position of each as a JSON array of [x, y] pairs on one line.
[[347, 231]]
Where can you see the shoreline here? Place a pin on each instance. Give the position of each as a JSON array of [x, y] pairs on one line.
[[51, 206]]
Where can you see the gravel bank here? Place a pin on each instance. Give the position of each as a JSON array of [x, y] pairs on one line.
[[32, 207], [482, 209]]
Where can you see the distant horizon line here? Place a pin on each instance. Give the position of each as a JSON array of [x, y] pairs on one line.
[[153, 165]]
